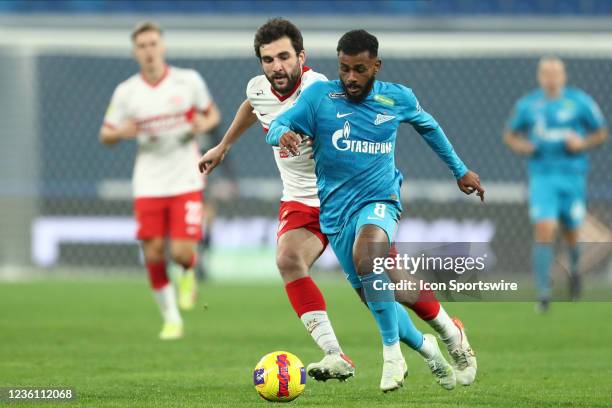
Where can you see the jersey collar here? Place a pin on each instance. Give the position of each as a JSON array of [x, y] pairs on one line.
[[283, 98], [159, 81]]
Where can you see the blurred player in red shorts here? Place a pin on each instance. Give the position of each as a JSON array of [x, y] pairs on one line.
[[164, 108]]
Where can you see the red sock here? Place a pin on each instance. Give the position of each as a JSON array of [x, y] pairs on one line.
[[426, 306], [305, 296], [157, 275]]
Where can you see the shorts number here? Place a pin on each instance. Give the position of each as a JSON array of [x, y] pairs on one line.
[[193, 213], [379, 210]]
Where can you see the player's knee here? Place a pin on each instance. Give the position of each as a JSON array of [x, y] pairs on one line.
[[181, 255], [545, 232], [364, 263], [290, 262]]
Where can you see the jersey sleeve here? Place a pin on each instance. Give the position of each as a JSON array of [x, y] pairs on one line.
[[517, 122], [202, 98], [591, 114], [430, 130], [300, 118], [117, 109]]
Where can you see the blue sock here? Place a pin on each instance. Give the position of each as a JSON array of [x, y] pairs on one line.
[[574, 253], [408, 333], [382, 306], [542, 259]]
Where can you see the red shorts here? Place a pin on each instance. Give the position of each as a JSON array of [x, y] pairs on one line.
[[179, 216], [293, 215]]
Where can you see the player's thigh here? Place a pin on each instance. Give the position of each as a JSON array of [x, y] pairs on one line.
[[544, 198], [154, 249], [297, 235], [152, 217], [573, 201], [186, 216], [298, 246], [376, 226], [342, 245]]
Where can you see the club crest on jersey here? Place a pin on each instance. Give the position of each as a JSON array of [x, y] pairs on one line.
[[382, 119], [341, 141]]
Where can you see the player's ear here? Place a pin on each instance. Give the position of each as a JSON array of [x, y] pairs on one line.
[[302, 58], [377, 66]]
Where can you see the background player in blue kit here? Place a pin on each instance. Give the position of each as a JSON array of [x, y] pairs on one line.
[[353, 124], [560, 124]]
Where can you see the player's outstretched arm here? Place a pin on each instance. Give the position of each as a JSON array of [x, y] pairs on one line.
[[243, 120], [429, 129], [110, 135]]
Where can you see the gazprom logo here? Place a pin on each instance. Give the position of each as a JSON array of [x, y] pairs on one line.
[[343, 134], [341, 141]]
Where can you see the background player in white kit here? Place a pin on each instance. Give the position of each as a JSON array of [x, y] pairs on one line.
[[279, 47], [164, 108]]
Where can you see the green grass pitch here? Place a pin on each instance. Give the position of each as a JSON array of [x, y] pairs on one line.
[[101, 339]]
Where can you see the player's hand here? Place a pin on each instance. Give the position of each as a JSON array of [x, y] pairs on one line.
[[575, 143], [469, 183], [308, 141], [291, 141], [128, 129], [524, 147], [199, 124], [211, 159]]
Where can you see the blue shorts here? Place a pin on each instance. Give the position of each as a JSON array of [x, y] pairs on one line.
[[382, 214], [558, 197]]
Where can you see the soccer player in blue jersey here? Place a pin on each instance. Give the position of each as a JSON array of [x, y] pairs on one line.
[[555, 126], [353, 124]]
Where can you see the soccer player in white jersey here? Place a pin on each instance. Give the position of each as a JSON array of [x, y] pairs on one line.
[[164, 108], [279, 47]]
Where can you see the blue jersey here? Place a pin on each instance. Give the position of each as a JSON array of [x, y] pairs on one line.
[[354, 144], [549, 122]]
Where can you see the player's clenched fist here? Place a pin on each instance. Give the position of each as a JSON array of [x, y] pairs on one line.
[[469, 183], [290, 141], [128, 129]]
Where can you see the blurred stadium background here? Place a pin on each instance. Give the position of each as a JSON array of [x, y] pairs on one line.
[[65, 199]]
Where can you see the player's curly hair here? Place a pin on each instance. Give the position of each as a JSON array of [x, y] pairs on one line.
[[275, 29], [358, 41]]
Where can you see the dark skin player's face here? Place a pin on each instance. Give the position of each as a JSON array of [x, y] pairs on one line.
[[357, 73]]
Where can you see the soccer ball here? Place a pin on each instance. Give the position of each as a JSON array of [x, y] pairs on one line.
[[279, 376]]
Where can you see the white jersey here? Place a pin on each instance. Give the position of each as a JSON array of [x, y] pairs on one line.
[[167, 159], [297, 172]]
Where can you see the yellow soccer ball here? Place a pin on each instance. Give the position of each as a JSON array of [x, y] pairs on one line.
[[279, 376]]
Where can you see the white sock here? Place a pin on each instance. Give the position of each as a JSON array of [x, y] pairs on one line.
[[318, 325], [427, 349], [392, 352], [444, 326], [166, 299]]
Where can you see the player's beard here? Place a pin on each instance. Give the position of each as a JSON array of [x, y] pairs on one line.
[[292, 79], [364, 91]]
